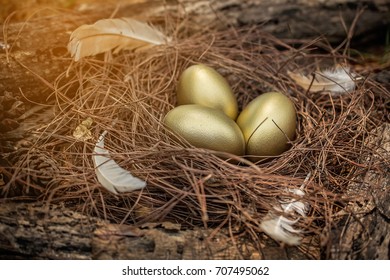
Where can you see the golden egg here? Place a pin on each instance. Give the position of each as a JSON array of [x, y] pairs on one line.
[[200, 84], [268, 123], [205, 127]]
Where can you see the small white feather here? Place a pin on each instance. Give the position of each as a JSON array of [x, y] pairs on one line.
[[113, 34], [338, 80], [294, 205], [113, 177], [280, 227]]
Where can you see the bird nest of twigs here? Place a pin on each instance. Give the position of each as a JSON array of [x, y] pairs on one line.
[[128, 94]]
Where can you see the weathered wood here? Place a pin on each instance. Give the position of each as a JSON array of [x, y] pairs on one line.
[[34, 231], [310, 19], [364, 231]]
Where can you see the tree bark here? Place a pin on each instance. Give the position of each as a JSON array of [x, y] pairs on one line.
[[364, 230], [35, 231]]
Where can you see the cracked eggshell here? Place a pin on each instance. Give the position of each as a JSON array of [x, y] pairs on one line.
[[268, 123], [200, 84], [205, 127]]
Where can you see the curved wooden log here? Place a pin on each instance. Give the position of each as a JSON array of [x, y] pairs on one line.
[[34, 231]]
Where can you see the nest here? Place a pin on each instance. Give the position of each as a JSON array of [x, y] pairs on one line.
[[128, 95]]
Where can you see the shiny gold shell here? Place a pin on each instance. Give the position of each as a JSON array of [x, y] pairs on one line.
[[206, 127], [268, 122], [200, 84]]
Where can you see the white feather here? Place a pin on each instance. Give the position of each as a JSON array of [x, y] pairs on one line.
[[295, 206], [113, 177], [280, 227], [338, 80], [113, 34]]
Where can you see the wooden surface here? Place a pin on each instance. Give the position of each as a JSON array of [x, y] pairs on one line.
[[34, 231], [33, 54], [365, 226]]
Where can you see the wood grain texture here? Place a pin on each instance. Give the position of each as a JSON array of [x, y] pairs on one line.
[[364, 230], [34, 231]]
